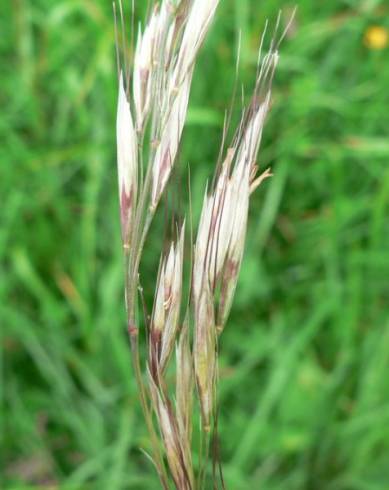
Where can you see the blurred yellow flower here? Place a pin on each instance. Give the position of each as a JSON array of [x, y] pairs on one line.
[[376, 37]]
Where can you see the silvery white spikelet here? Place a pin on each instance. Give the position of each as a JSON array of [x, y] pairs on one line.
[[170, 140], [127, 162], [143, 66], [199, 19], [174, 87]]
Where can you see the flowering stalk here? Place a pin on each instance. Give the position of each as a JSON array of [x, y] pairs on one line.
[[152, 106]]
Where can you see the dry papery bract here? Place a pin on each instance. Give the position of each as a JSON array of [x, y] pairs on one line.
[[152, 106]]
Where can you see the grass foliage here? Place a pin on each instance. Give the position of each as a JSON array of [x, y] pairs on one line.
[[305, 356]]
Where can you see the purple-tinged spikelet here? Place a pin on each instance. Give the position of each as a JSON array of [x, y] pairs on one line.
[[166, 311], [127, 163]]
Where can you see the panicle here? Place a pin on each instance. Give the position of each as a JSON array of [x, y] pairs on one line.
[[164, 60], [127, 163]]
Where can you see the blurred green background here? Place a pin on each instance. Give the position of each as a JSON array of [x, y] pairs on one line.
[[305, 358]]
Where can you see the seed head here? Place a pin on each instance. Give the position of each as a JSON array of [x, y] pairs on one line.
[[164, 60]]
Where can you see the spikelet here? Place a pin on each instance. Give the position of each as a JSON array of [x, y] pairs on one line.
[[184, 393], [127, 163], [143, 68], [214, 229], [178, 51], [243, 182], [166, 310], [180, 468], [240, 189], [204, 352], [199, 19], [170, 140], [152, 62], [222, 229]]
